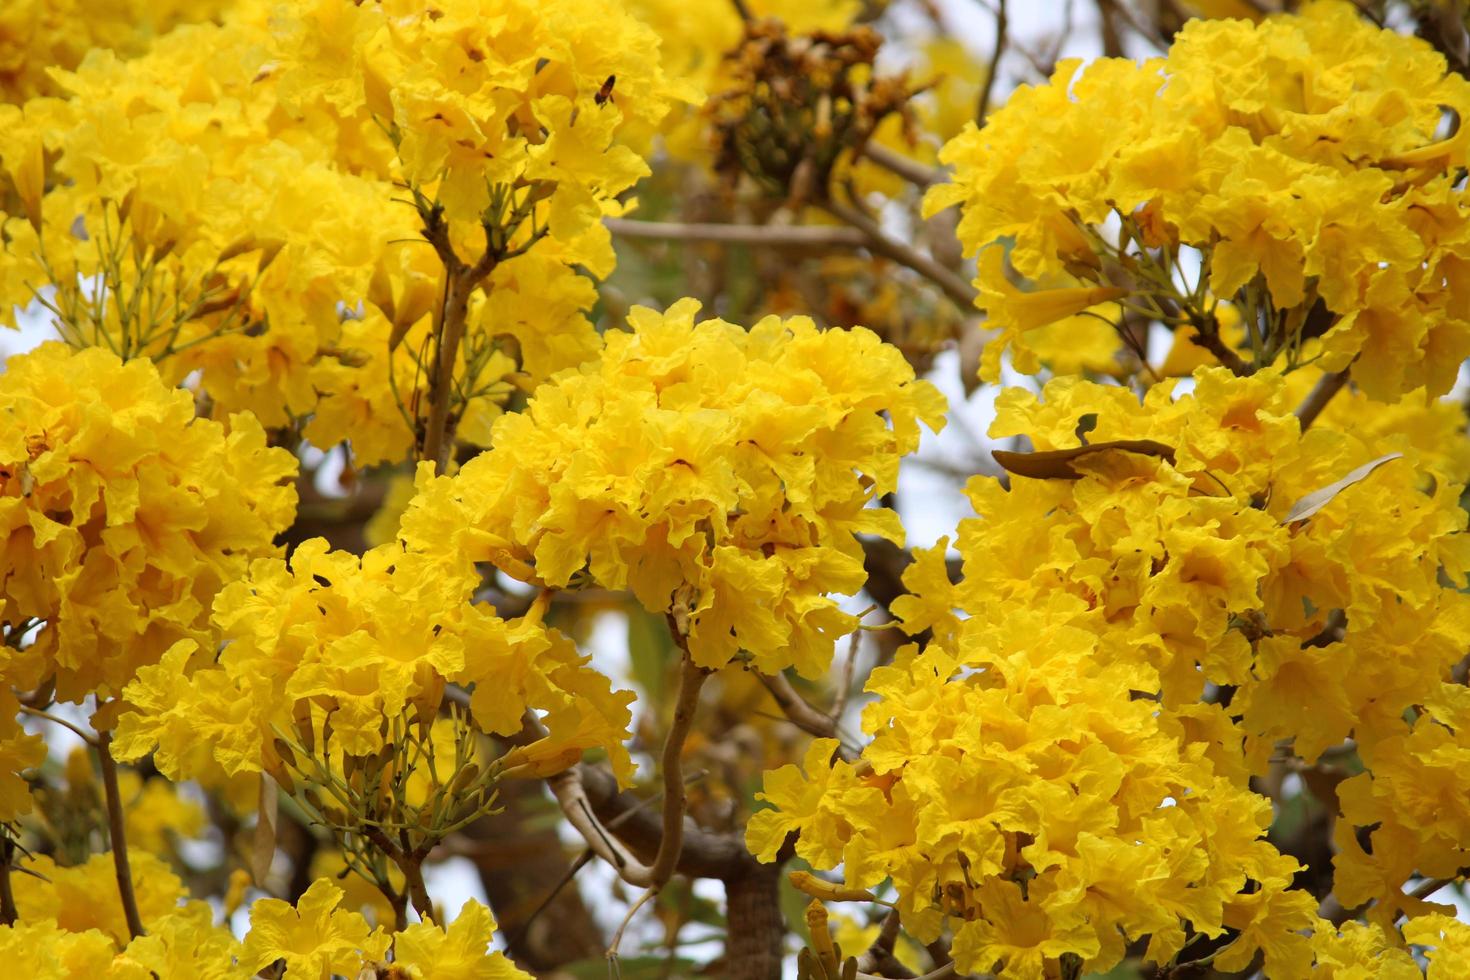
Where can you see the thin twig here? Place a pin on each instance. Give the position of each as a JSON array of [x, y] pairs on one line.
[[1320, 395], [1429, 886], [768, 236], [796, 709], [982, 109], [845, 691], [957, 289], [57, 720], [117, 838], [910, 170], [617, 939]]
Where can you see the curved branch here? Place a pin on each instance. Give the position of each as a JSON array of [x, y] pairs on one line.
[[668, 840], [676, 798]]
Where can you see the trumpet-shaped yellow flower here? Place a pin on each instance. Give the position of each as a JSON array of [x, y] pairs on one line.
[[355, 642], [315, 937], [123, 515], [456, 951], [1043, 775], [720, 474], [1300, 157]]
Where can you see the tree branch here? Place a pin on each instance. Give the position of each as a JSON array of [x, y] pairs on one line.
[[1320, 395], [1207, 335], [796, 708], [8, 912], [910, 170], [704, 855], [58, 720], [766, 236], [957, 289], [982, 109], [676, 798], [668, 840], [879, 955], [116, 836], [755, 926]]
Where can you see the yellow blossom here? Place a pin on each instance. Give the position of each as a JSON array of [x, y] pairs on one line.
[[124, 515], [315, 937], [720, 474]]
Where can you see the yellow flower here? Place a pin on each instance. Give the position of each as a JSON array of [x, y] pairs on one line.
[[124, 514], [185, 943], [36, 35], [1052, 731], [457, 951], [1018, 314], [44, 951], [716, 472], [85, 897], [315, 937], [1300, 158]]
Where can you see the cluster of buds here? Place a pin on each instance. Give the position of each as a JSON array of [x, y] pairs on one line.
[[796, 104], [397, 803], [147, 300]]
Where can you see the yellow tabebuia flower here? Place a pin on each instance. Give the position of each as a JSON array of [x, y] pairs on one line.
[[44, 951], [455, 952], [315, 937], [720, 474], [1019, 313], [236, 190], [184, 944], [354, 642], [123, 515], [1448, 942], [1045, 778], [38, 35], [1299, 158], [85, 897]]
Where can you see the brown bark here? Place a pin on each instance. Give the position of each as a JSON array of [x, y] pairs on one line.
[[753, 914]]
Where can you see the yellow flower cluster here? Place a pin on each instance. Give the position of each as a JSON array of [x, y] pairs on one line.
[[123, 516], [720, 474], [239, 192], [1311, 161], [351, 643], [36, 35], [71, 925], [1058, 763], [317, 937]]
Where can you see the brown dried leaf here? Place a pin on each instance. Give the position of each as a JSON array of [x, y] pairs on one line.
[[1056, 464], [268, 814], [1318, 499]]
